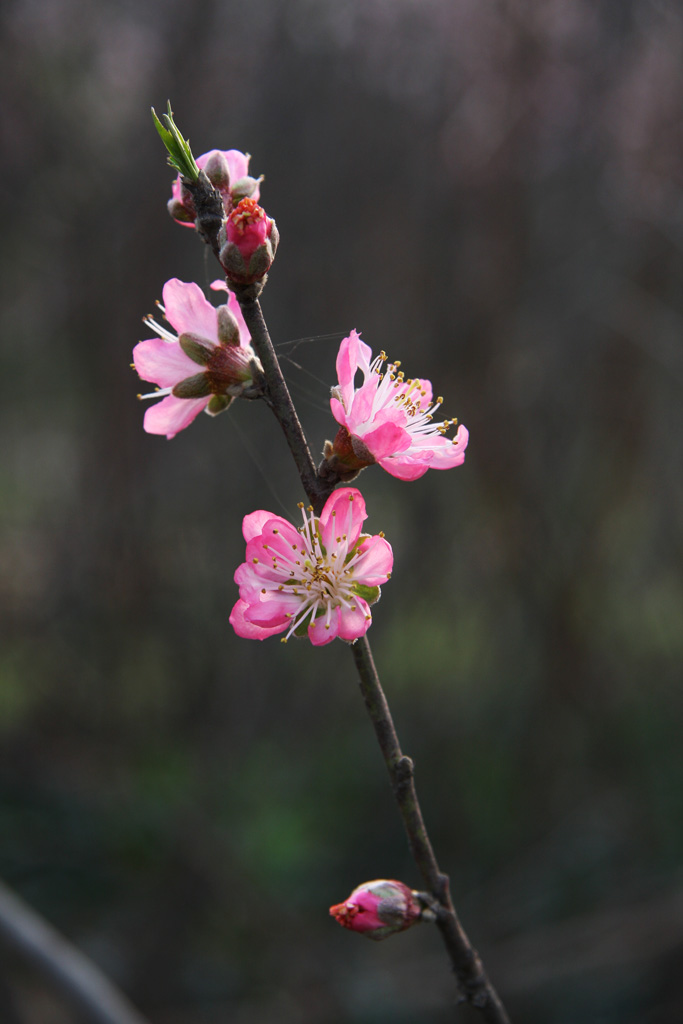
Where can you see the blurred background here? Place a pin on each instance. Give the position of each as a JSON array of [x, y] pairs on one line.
[[490, 190]]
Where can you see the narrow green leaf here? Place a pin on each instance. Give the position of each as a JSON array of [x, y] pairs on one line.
[[179, 153]]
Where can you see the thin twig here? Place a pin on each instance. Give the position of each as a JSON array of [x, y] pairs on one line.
[[77, 977], [467, 966], [280, 401]]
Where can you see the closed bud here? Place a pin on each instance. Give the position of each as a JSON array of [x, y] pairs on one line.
[[227, 170], [217, 170], [244, 188], [180, 212], [379, 909]]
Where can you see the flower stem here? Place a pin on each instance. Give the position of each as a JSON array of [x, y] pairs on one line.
[[280, 401], [467, 966]]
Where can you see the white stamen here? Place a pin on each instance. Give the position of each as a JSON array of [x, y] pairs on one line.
[[160, 330]]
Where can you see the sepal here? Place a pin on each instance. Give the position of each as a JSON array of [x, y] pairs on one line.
[[195, 348], [198, 386], [218, 404]]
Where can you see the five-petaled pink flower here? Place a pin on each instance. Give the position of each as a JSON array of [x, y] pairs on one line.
[[318, 579], [378, 909], [228, 170], [208, 363], [388, 419]]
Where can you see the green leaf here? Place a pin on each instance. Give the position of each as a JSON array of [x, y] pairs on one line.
[[369, 594], [179, 152]]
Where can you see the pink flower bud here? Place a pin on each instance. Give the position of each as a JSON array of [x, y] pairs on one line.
[[378, 909], [249, 239], [227, 170]]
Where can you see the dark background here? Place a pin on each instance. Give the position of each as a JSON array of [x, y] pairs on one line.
[[491, 192]]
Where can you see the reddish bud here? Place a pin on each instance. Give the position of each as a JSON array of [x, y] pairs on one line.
[[379, 908], [248, 240]]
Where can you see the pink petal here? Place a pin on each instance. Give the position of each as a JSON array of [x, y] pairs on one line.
[[452, 453], [406, 467], [252, 524], [360, 405], [249, 630], [427, 398], [273, 607], [355, 622], [172, 414], [387, 440], [375, 563], [238, 163], [236, 310], [187, 309], [322, 632], [278, 539], [163, 362], [343, 515], [338, 412], [353, 355], [253, 578]]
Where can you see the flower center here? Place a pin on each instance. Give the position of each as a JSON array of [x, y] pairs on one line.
[[323, 581], [409, 395]]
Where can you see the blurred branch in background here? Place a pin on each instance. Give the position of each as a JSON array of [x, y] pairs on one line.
[[73, 974]]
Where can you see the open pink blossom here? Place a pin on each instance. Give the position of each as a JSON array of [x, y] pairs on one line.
[[205, 365], [228, 170], [378, 909], [388, 419], [318, 579]]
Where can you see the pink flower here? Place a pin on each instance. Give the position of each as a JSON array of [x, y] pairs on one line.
[[388, 419], [378, 909], [248, 241], [320, 578], [228, 170], [208, 363]]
